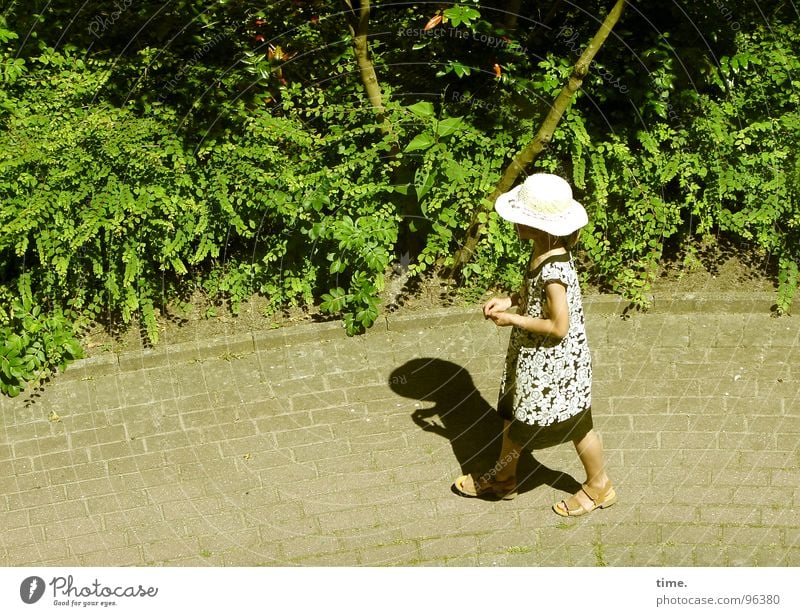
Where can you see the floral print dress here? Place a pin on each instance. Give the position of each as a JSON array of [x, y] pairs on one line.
[[547, 382]]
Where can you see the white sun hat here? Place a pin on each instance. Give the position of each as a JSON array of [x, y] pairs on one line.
[[543, 201]]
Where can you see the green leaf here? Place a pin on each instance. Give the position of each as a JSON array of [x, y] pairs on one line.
[[448, 126], [424, 182], [460, 69], [459, 14], [337, 266], [454, 172], [12, 390], [422, 109], [421, 142], [7, 35], [335, 301]]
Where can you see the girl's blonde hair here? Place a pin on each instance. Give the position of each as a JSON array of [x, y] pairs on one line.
[[571, 240]]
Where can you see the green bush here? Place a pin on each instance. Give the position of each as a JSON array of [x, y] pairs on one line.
[[130, 177], [34, 343]]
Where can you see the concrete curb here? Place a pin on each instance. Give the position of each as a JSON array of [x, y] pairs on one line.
[[594, 305]]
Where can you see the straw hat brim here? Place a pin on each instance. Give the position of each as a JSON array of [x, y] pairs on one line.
[[564, 223]]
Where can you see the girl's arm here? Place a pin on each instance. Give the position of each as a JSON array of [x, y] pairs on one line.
[[556, 326]]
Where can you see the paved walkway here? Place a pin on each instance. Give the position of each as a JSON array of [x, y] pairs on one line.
[[304, 447]]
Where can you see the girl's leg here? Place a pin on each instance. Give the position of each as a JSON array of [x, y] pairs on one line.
[[590, 452], [509, 456]]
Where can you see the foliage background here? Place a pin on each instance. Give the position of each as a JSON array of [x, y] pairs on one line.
[[151, 149]]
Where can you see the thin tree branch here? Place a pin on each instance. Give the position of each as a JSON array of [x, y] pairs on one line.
[[540, 141]]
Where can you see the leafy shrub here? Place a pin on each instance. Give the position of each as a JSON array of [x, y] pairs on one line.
[[34, 343], [129, 178]]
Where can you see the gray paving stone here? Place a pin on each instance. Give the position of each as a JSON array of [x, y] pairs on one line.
[[782, 516], [388, 555], [762, 556], [385, 441], [348, 519], [158, 531], [136, 463], [275, 531], [669, 513], [782, 478], [36, 554], [785, 442], [678, 441], [20, 518], [289, 421], [303, 436], [333, 559], [624, 404], [30, 535], [511, 541], [750, 441], [320, 451], [37, 446], [769, 459], [97, 540], [36, 496], [353, 539], [691, 533], [307, 546], [324, 399], [625, 556], [113, 557], [208, 462], [131, 518], [262, 556], [676, 555], [728, 514], [163, 552], [47, 514], [451, 547]]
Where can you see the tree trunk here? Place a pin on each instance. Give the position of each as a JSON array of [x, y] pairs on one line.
[[358, 23], [540, 141]]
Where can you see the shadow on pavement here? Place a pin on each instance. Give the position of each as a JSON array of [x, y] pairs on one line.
[[461, 415]]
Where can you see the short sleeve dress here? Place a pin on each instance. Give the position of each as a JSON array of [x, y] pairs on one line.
[[546, 387]]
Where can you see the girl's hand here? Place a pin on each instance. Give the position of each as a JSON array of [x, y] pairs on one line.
[[504, 319], [496, 305]]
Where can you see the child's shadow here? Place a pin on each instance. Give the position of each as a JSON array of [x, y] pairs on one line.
[[470, 423]]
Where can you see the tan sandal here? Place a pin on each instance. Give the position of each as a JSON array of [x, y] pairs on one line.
[[506, 489], [573, 508]]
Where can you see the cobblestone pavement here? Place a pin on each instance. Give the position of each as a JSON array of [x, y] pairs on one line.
[[304, 447]]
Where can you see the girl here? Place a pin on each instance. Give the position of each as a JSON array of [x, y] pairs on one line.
[[545, 396]]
